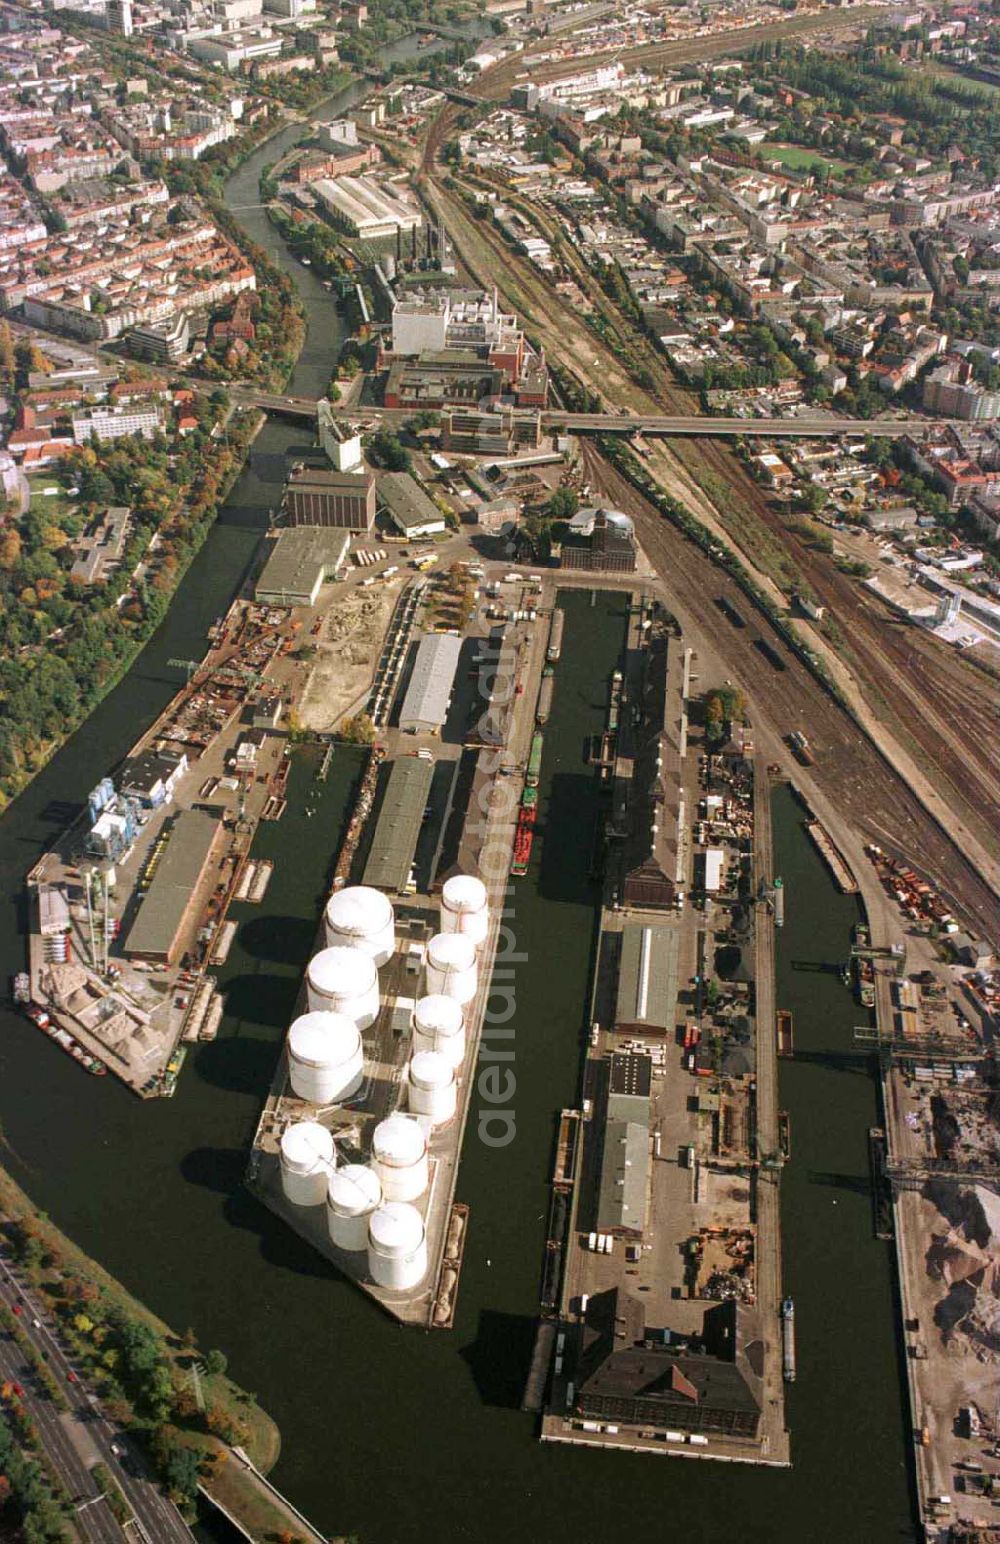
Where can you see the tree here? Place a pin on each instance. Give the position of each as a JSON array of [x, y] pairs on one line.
[[386, 451], [563, 504], [216, 1363]]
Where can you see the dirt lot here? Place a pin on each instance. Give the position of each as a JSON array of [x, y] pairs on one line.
[[347, 650]]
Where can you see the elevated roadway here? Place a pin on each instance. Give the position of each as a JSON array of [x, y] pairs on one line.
[[696, 425]]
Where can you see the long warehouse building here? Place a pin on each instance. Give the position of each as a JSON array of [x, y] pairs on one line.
[[390, 858], [366, 208], [168, 906], [428, 696]]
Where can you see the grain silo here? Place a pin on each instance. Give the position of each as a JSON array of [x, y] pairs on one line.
[[352, 1194], [451, 966], [465, 907], [397, 1247], [439, 1025], [307, 1161], [326, 1060], [432, 1087], [342, 980], [399, 1157], [361, 918]]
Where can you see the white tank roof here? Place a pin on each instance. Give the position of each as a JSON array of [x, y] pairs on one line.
[[399, 1141], [323, 1039], [439, 1014], [396, 1228], [353, 1189], [305, 1145], [431, 1069], [342, 972], [451, 951], [359, 911], [464, 892]]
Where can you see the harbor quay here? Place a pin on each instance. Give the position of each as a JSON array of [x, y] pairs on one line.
[[128, 908], [475, 806], [662, 1327]]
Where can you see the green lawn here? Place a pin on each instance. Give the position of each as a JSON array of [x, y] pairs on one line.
[[52, 505], [952, 77], [798, 156]]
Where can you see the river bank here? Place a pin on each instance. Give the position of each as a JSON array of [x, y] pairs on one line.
[[156, 1190]]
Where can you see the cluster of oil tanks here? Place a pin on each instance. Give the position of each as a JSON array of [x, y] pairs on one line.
[[371, 1205]]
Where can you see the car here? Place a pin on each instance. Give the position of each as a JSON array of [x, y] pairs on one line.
[[17, 1309], [36, 1324], [71, 1377]]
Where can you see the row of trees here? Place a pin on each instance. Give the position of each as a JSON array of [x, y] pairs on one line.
[[29, 1511], [142, 1384], [62, 643]]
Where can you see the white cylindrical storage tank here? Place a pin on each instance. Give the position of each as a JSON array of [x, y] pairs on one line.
[[307, 1160], [342, 980], [352, 1194], [439, 1025], [465, 907], [451, 966], [399, 1157], [361, 918], [433, 1090], [397, 1247], [326, 1060]]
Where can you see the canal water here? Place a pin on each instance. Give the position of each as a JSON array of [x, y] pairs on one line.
[[400, 1437]]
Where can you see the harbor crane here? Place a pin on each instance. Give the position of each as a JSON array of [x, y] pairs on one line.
[[912, 1173], [189, 666]]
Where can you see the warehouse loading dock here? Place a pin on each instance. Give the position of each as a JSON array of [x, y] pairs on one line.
[[300, 562], [169, 904], [425, 706], [647, 978], [394, 845]]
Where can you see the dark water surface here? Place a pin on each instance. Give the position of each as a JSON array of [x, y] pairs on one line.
[[402, 1437]]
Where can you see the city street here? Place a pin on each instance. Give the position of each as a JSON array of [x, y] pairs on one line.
[[77, 1440]]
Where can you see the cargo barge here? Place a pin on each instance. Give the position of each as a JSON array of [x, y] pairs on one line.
[[788, 1340], [524, 837], [785, 1041], [554, 649], [833, 857], [535, 759]]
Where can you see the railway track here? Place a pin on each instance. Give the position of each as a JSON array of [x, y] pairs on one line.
[[942, 705], [868, 792]]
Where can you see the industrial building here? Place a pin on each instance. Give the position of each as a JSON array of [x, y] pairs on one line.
[[428, 696], [635, 1376], [150, 778], [299, 563], [646, 810], [167, 907], [344, 500], [341, 441], [601, 541], [496, 686], [397, 831], [409, 508], [647, 979], [490, 433], [623, 1193], [366, 208], [440, 379]]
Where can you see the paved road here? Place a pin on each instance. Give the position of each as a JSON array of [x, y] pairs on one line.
[[84, 1437], [690, 425]]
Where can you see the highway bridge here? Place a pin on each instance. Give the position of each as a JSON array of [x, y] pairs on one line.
[[555, 420]]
